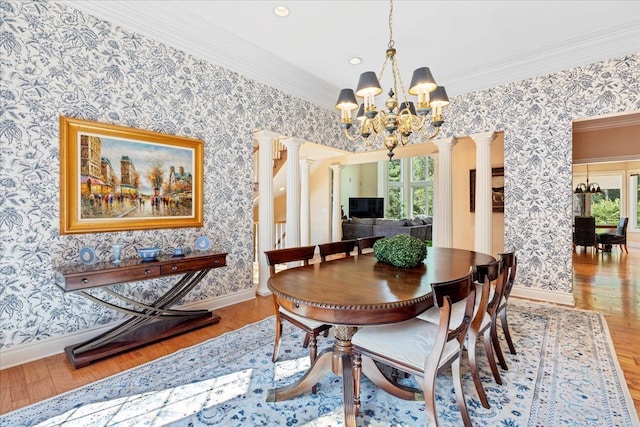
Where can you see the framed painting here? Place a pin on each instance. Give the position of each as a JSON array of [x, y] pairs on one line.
[[497, 189], [115, 178]]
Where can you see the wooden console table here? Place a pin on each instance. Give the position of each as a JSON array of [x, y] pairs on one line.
[[148, 322]]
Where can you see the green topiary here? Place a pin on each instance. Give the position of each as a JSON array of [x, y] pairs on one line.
[[400, 251]]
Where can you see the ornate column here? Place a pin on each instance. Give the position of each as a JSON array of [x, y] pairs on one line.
[[483, 201], [443, 212], [305, 226], [293, 190], [383, 181], [265, 205], [336, 220]]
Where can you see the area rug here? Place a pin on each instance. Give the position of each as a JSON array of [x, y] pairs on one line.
[[565, 374]]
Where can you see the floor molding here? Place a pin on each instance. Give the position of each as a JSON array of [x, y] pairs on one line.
[[38, 350], [538, 294]]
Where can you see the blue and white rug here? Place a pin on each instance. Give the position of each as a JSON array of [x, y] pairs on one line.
[[565, 374]]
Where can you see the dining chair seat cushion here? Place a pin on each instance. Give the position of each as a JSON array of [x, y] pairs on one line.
[[408, 342], [310, 323], [432, 315]]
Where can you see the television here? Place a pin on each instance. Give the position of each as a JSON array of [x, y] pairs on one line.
[[366, 207]]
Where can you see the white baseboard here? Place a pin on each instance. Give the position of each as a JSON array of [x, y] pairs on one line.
[[38, 350], [538, 294]]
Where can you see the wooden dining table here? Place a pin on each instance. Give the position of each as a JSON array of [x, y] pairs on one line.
[[359, 291]]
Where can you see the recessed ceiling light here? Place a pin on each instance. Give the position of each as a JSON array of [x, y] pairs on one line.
[[355, 60], [281, 11]]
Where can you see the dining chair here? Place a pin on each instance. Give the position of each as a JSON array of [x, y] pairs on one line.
[[311, 327], [488, 283], [510, 262], [421, 348], [340, 247], [617, 238], [367, 243], [584, 232]]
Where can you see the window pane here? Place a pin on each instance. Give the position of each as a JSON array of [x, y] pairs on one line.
[[396, 207], [637, 194], [419, 201], [418, 169], [395, 170], [430, 168], [605, 206]]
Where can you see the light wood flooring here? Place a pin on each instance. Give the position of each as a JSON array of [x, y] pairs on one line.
[[607, 283]]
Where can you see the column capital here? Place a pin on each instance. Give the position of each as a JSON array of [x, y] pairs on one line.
[[306, 162], [265, 134], [337, 166], [483, 138], [292, 142], [447, 143]]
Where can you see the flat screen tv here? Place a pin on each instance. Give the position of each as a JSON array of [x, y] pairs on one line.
[[366, 207]]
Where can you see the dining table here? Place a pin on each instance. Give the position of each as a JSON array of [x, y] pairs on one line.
[[359, 291]]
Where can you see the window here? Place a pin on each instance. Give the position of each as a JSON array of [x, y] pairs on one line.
[[634, 202], [411, 187], [606, 206]]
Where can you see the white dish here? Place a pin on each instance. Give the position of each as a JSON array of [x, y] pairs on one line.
[[203, 243], [87, 255]]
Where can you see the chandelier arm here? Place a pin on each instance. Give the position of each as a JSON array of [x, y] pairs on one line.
[[433, 135], [354, 137]]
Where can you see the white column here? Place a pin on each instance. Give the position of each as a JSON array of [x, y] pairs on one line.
[[265, 205], [305, 217], [483, 202], [383, 181], [443, 213], [293, 190], [336, 220]]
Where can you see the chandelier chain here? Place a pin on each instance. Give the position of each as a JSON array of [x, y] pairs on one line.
[[391, 41]]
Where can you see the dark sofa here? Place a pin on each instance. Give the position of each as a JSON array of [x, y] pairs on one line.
[[355, 228]]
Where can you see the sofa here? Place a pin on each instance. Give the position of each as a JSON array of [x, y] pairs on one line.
[[355, 228]]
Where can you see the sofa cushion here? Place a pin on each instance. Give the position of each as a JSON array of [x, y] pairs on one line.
[[391, 222], [414, 221], [365, 221]]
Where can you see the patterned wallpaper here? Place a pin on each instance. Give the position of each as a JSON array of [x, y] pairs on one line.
[[59, 61]]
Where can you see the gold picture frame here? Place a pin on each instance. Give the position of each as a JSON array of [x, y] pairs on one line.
[[158, 182], [497, 190]]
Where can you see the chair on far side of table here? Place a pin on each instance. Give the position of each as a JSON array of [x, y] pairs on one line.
[[510, 264], [340, 247], [312, 327], [617, 238], [584, 232], [365, 243]]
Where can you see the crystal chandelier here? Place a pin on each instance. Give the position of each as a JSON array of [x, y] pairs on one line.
[[587, 188], [398, 122]]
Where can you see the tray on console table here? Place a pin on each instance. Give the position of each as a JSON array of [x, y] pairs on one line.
[[147, 322]]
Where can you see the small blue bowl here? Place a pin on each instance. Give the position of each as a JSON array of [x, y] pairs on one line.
[[148, 254]]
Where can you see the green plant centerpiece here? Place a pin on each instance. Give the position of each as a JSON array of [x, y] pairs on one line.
[[400, 251]]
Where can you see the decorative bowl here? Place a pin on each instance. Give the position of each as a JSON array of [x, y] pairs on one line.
[[148, 254]]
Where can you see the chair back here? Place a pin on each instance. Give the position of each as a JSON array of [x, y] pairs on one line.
[[367, 243], [445, 294], [341, 247], [282, 256], [492, 274], [510, 263], [621, 230], [584, 231]]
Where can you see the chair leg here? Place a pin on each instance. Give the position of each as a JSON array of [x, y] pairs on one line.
[[625, 248], [505, 328], [472, 353], [457, 384], [429, 392], [496, 347], [488, 348], [357, 374], [307, 339]]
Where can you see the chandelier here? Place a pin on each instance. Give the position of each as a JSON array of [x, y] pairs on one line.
[[587, 188], [398, 122]]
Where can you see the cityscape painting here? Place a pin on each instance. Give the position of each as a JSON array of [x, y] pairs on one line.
[[115, 178]]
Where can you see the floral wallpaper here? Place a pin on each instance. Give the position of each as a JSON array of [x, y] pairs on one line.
[[59, 61]]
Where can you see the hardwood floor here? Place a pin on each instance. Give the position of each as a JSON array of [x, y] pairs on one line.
[[608, 283]]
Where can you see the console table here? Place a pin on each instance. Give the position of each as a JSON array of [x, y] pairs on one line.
[[147, 322]]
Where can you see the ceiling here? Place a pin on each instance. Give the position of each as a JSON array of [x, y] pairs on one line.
[[468, 45]]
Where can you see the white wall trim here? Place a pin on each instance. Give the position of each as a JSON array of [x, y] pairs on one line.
[[38, 350], [538, 294]]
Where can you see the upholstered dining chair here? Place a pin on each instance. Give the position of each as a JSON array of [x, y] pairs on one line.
[[488, 292], [311, 327], [617, 238], [584, 232], [365, 243], [510, 262], [421, 348], [333, 248]]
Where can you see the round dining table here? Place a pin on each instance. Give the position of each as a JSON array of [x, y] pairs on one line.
[[359, 291]]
